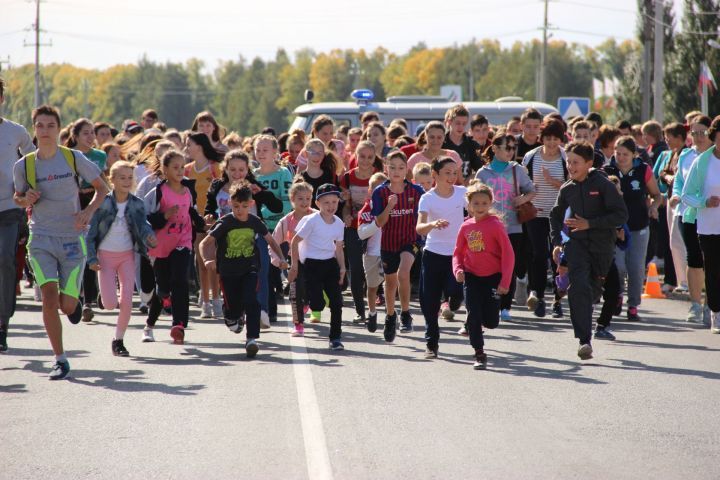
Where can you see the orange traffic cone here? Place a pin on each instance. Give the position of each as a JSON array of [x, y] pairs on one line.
[[652, 286]]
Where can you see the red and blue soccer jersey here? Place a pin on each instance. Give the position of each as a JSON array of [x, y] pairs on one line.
[[399, 231]]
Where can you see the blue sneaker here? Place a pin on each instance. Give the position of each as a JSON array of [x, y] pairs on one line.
[[505, 315], [604, 334], [336, 345], [60, 370]]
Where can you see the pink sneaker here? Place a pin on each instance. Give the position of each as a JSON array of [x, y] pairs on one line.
[[298, 330], [177, 332]]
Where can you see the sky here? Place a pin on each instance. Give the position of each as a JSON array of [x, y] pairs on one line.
[[94, 34]]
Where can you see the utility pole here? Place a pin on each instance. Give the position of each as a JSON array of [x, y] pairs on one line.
[[658, 70], [37, 45], [543, 58], [647, 61], [471, 77]]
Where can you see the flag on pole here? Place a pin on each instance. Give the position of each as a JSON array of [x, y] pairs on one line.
[[706, 78]]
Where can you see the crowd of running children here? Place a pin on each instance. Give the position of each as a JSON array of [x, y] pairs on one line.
[[467, 212]]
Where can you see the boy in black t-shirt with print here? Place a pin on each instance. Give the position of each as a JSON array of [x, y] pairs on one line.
[[230, 250]]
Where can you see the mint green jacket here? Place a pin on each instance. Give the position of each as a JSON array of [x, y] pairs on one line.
[[692, 193]]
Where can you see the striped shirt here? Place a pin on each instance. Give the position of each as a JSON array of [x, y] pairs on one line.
[[399, 230], [546, 194]]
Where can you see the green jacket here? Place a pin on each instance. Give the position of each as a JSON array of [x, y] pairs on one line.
[[692, 192]]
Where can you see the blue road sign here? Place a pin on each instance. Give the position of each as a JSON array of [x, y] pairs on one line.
[[573, 106]]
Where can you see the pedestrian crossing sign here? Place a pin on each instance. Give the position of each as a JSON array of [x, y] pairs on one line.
[[573, 106]]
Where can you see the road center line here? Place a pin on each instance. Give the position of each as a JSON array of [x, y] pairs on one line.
[[316, 451]]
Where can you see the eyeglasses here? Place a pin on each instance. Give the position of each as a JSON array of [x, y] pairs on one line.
[[314, 152], [509, 148], [698, 133]]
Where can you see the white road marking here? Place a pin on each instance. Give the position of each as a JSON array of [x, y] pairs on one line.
[[316, 451]]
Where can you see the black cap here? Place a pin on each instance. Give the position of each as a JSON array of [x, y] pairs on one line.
[[327, 189]]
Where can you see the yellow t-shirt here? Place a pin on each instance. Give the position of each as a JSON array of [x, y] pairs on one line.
[[203, 179]]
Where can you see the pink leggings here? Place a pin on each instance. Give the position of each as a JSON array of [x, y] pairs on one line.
[[121, 266]]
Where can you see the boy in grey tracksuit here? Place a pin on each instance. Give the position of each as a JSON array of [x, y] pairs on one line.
[[596, 210]]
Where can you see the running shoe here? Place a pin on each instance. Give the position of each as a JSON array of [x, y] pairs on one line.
[[540, 309], [205, 310], [177, 332], [235, 326], [251, 348], [59, 370], [118, 349], [532, 301], [76, 316], [480, 360], [264, 320], [715, 322], [315, 316], [358, 320], [557, 310], [298, 330], [380, 300], [336, 345], [148, 336], [505, 315], [446, 312], [463, 331], [585, 351], [602, 333], [406, 322], [431, 353], [390, 327], [372, 322], [632, 314], [3, 341], [695, 314], [217, 308], [521, 294], [87, 314]]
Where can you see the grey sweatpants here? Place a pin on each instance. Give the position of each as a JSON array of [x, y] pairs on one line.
[[586, 271]]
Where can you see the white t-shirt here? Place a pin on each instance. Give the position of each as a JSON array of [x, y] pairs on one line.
[[118, 238], [708, 219], [319, 237], [442, 241]]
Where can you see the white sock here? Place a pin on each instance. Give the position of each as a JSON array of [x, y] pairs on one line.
[[61, 357]]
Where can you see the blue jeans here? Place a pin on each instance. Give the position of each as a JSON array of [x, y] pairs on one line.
[[631, 263], [436, 281], [263, 274]]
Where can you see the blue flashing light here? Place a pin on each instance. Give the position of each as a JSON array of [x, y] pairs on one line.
[[363, 94]]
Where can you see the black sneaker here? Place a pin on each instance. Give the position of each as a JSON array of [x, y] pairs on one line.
[[3, 341], [143, 309], [540, 309], [431, 353], [557, 310], [336, 345], [87, 314], [59, 370], [406, 325], [390, 327], [76, 316], [480, 360], [358, 320], [118, 349], [602, 333], [372, 322], [632, 315], [273, 318], [236, 326]]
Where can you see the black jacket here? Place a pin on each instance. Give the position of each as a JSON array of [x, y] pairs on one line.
[[595, 199], [263, 197]]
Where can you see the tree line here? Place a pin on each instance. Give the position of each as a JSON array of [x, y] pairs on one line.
[[246, 95]]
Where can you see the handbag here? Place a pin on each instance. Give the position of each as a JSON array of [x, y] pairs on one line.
[[527, 211]]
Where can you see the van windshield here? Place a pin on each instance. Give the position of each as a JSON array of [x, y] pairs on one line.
[[299, 122]]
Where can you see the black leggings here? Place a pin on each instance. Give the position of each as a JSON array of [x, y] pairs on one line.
[[611, 292], [692, 244], [171, 276], [539, 233], [353, 254], [711, 248], [324, 275], [518, 243]]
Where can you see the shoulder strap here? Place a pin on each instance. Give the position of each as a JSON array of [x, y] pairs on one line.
[[515, 183], [31, 170], [30, 174]]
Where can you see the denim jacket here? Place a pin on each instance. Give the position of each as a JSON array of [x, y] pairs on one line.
[[105, 215]]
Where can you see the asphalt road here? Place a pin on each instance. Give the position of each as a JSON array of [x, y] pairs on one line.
[[647, 405]]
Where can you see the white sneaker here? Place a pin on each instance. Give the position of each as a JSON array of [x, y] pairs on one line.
[[463, 331], [532, 301], [37, 294], [206, 310], [681, 289], [264, 320], [521, 291], [217, 308], [715, 322], [147, 335]]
